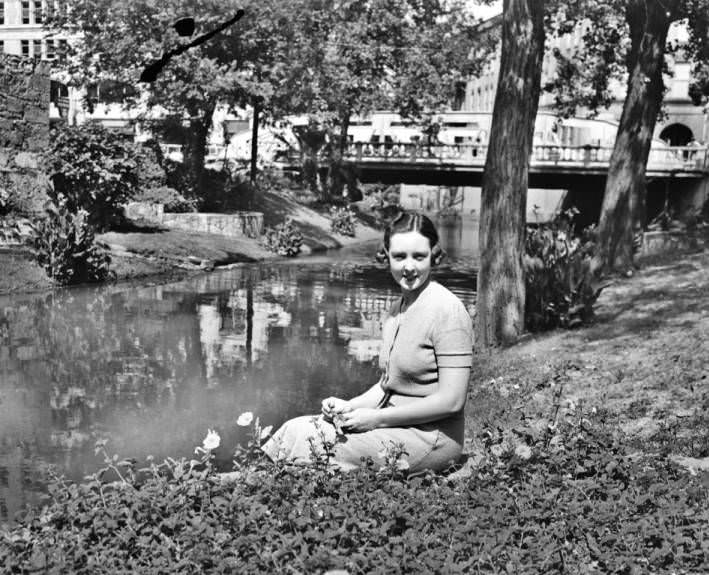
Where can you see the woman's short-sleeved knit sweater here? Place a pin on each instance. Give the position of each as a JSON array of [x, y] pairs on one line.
[[434, 331]]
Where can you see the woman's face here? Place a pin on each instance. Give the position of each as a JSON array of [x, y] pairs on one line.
[[409, 260]]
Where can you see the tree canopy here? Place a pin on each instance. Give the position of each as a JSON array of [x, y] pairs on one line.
[[326, 60], [627, 41]]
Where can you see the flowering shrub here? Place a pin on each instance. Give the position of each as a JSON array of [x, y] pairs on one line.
[[343, 221], [574, 500], [561, 286], [285, 239]]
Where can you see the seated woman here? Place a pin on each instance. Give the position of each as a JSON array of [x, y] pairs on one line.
[[426, 357]]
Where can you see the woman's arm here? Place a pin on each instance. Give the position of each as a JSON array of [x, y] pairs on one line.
[[368, 399], [447, 400]]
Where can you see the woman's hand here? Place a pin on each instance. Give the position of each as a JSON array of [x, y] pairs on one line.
[[361, 419], [333, 406]]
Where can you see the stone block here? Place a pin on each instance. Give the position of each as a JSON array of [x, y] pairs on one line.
[[26, 160], [36, 115], [5, 158]]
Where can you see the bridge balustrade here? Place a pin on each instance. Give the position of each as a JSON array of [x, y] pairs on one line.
[[667, 158]]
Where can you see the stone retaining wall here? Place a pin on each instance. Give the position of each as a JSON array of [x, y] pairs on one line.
[[664, 242], [240, 224], [24, 130]]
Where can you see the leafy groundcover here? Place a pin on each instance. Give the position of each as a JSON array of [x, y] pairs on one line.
[[572, 499]]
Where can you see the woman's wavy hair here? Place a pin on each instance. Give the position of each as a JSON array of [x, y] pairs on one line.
[[412, 222]]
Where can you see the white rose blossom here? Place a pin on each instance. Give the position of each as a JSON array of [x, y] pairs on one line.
[[245, 419], [212, 440]]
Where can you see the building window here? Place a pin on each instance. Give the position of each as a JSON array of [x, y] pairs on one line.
[[62, 49], [37, 5], [25, 45], [2, 13], [51, 53], [37, 48], [2, 46], [25, 12]]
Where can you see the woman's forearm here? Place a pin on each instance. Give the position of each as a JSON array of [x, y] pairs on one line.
[[425, 410]]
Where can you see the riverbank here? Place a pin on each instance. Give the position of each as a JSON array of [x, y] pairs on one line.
[[642, 368], [587, 454], [143, 252]]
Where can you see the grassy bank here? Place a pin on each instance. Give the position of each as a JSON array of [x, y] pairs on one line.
[[587, 450], [142, 251]]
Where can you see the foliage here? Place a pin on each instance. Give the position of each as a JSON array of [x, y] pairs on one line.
[[628, 40], [561, 286], [285, 239], [9, 227], [91, 169], [115, 40], [569, 498], [149, 158], [343, 220], [407, 56], [64, 245], [227, 192], [171, 199]]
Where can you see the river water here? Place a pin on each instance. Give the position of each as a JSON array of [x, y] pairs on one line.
[[151, 368]]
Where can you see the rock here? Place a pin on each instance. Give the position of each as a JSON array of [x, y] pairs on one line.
[[692, 464]]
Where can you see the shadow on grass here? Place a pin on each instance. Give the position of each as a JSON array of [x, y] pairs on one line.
[[651, 310]]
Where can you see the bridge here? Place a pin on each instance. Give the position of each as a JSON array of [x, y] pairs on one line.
[[550, 165]]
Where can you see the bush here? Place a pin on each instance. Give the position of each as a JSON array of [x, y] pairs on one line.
[[149, 171], [560, 280], [285, 239], [91, 169], [172, 200], [343, 221], [64, 245], [573, 499]]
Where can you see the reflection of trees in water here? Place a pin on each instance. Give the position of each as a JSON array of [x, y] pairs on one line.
[[84, 359], [92, 350]]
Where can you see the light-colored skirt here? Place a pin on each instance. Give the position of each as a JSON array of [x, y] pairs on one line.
[[305, 439]]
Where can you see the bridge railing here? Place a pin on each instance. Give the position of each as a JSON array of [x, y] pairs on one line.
[[681, 158]]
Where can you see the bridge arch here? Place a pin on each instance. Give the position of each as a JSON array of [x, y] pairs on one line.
[[677, 134]]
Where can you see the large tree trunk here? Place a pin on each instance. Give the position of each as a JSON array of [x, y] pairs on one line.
[[500, 299], [624, 198], [254, 137], [196, 143]]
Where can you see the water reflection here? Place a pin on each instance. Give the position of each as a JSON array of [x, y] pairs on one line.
[[151, 368]]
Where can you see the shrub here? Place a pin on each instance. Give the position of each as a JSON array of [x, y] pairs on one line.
[[573, 500], [9, 228], [171, 199], [226, 192], [149, 171], [64, 245], [343, 221], [285, 239], [91, 169], [560, 280]]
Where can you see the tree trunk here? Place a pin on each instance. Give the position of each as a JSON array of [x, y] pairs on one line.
[[311, 139], [500, 299], [196, 143], [624, 198], [254, 137]]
